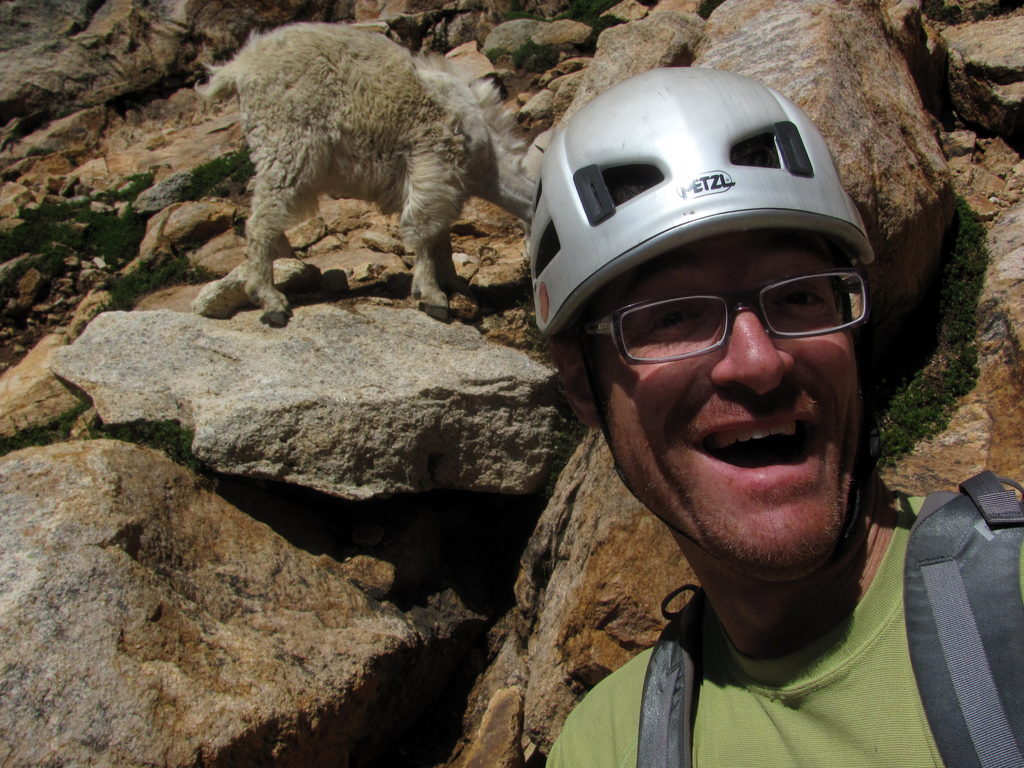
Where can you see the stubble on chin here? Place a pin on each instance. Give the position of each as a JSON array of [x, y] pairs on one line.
[[783, 534]]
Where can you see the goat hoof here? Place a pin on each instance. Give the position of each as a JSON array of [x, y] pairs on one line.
[[277, 318], [436, 311]]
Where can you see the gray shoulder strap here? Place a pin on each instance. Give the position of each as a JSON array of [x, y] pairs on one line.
[[666, 710], [965, 623]]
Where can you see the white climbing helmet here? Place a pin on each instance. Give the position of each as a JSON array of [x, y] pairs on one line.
[[667, 158]]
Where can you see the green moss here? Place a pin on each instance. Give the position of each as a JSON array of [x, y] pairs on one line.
[[707, 7], [111, 237], [54, 431], [58, 229], [924, 401], [168, 437], [587, 11], [535, 58], [217, 177], [128, 289], [493, 54], [131, 189]]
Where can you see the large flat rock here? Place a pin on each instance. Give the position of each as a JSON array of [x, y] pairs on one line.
[[355, 403]]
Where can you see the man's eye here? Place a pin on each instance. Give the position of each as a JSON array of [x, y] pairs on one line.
[[673, 319], [802, 298]]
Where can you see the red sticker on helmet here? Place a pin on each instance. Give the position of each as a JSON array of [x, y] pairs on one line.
[[545, 303]]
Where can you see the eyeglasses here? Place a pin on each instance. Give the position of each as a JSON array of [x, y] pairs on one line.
[[797, 307]]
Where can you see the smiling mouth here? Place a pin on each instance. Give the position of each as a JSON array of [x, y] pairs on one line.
[[781, 444]]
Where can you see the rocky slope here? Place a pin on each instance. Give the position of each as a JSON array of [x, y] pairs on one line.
[[360, 562]]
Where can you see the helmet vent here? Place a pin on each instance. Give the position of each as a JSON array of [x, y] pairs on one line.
[[758, 151], [547, 249], [625, 182]]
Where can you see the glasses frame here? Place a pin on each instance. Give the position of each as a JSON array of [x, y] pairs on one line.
[[734, 302]]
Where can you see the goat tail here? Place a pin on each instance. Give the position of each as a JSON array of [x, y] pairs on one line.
[[222, 83]]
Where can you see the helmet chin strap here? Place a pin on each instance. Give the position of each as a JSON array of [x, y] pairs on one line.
[[869, 445], [869, 442]]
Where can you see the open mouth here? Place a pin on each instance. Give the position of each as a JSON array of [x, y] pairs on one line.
[[781, 444]]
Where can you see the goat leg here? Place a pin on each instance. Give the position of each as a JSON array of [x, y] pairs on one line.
[[434, 278], [265, 241]]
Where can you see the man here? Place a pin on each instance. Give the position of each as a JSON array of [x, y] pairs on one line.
[[696, 267]]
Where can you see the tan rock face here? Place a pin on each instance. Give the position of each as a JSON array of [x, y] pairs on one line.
[[593, 578], [986, 73], [852, 81], [180, 225], [469, 57], [667, 39], [562, 32], [30, 396], [985, 431], [199, 633], [922, 47], [498, 740]]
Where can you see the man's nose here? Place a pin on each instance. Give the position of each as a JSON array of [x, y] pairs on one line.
[[750, 357]]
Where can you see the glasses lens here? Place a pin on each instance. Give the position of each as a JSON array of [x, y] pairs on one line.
[[672, 328], [814, 303]]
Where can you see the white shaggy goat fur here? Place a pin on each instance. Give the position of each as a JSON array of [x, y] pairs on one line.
[[332, 109]]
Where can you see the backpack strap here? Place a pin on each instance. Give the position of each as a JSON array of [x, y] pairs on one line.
[[669, 698], [965, 623]]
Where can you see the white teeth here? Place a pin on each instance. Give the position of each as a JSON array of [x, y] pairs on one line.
[[729, 437]]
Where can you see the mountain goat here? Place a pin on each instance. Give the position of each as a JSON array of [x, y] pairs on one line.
[[332, 109]]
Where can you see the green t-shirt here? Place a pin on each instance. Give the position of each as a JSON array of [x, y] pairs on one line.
[[849, 698]]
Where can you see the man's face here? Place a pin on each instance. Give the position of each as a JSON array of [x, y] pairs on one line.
[[748, 449]]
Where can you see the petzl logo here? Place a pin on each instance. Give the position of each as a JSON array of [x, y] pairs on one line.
[[710, 183]]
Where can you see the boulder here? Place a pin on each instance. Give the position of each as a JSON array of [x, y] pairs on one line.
[[511, 35], [564, 32], [30, 396], [144, 620], [181, 227], [627, 10], [539, 108], [590, 589], [353, 402], [497, 743], [469, 59], [667, 39], [677, 6], [220, 254], [986, 73], [564, 89], [93, 303], [170, 190], [848, 74], [222, 298]]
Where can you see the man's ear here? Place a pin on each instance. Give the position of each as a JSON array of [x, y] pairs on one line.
[[567, 356]]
